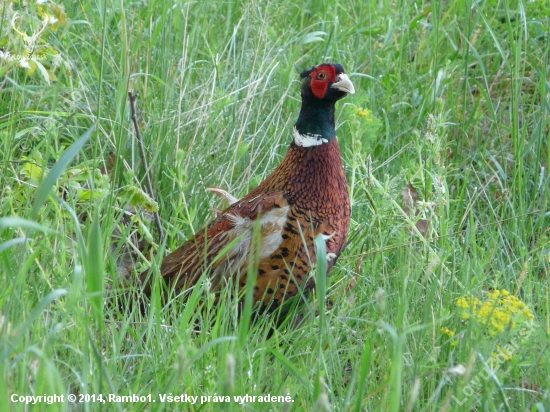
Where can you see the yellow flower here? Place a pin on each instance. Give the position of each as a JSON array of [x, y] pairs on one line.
[[498, 311], [462, 303], [493, 295], [527, 313], [362, 112], [447, 331]]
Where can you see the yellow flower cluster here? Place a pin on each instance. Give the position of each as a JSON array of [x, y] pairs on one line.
[[446, 331], [365, 113], [499, 310]]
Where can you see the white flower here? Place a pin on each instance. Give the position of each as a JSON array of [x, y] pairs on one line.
[[457, 370], [24, 63], [57, 60], [52, 20]]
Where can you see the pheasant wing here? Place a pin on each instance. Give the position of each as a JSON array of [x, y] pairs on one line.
[[222, 246]]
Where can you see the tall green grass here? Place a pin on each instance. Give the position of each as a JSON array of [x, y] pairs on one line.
[[452, 97]]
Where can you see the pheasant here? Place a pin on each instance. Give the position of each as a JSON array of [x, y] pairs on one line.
[[306, 195]]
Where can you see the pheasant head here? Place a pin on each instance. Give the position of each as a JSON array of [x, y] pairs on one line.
[[322, 86]]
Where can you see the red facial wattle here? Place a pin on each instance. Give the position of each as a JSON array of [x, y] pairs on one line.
[[320, 80]]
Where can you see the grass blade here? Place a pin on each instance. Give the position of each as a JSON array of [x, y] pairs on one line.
[[48, 183]]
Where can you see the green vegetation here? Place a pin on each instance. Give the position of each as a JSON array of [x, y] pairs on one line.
[[452, 98]]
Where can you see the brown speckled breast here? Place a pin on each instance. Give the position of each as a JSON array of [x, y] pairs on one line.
[[313, 182]]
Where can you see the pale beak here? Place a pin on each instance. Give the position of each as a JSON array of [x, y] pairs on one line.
[[343, 84]]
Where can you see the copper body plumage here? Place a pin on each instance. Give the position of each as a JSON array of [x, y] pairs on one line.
[[305, 196]]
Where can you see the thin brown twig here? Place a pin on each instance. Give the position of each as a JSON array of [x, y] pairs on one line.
[[156, 216]]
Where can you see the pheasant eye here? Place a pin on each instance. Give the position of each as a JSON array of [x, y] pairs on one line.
[[321, 75]]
